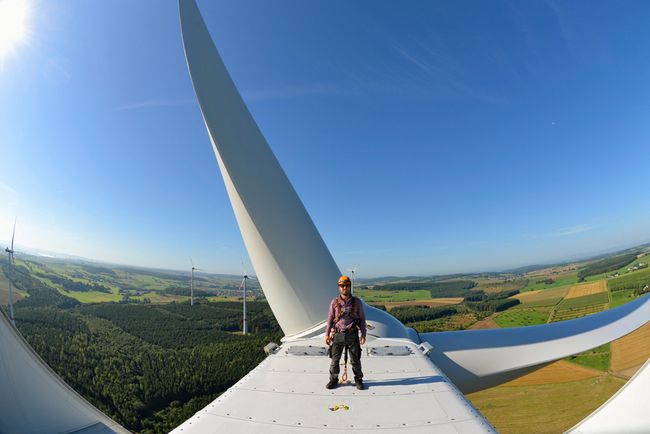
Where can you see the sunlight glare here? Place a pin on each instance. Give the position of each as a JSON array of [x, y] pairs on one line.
[[13, 24]]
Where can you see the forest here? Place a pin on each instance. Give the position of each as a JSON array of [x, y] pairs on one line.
[[605, 265], [149, 367], [452, 288]]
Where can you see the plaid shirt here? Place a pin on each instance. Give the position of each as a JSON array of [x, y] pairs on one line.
[[346, 321]]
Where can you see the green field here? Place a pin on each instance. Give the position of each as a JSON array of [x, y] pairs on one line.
[[521, 317], [569, 279], [598, 358], [91, 296], [381, 296], [587, 300], [621, 297], [549, 302], [579, 312], [633, 280]]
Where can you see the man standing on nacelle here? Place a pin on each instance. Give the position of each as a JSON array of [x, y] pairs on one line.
[[345, 320]]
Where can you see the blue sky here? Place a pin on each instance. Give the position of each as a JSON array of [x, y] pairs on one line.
[[423, 137]]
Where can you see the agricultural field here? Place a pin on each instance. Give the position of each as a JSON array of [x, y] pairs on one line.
[[530, 406], [432, 302], [384, 296], [91, 296], [630, 352], [492, 286], [485, 323], [96, 283], [541, 298], [633, 280], [557, 372], [584, 301], [538, 281], [597, 358], [586, 289], [219, 299], [522, 317], [621, 297], [578, 312], [459, 321]]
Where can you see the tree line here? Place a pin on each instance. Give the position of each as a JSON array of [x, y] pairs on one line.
[[605, 265]]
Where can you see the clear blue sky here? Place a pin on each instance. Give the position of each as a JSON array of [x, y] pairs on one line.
[[423, 137]]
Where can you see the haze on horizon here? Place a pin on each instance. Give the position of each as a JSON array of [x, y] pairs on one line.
[[422, 138]]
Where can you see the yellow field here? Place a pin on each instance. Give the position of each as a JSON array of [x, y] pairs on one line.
[[630, 352], [432, 302], [544, 408], [557, 372], [587, 289], [526, 295], [539, 295]]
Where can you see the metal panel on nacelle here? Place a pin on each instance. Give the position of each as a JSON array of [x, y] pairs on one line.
[[285, 393]]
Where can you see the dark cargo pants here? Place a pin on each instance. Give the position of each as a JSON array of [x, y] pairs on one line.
[[349, 339]]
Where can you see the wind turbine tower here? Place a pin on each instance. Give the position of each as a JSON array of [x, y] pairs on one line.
[[192, 283], [243, 285], [352, 271], [12, 261]]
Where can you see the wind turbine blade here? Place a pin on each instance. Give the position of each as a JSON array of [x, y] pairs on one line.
[[243, 266], [13, 235], [477, 359], [290, 257], [191, 262]]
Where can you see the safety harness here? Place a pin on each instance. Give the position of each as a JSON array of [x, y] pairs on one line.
[[339, 311]]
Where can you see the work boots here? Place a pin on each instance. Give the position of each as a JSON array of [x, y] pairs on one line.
[[332, 383], [359, 384]]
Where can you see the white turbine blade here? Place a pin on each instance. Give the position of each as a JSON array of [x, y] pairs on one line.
[[35, 399], [13, 235], [293, 263], [478, 359]]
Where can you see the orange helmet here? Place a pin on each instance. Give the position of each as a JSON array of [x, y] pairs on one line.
[[344, 279]]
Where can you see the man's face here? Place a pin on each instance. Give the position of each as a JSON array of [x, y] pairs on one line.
[[344, 289]]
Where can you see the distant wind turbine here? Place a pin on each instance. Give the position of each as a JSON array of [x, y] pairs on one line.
[[243, 284], [352, 271], [12, 261], [192, 283]]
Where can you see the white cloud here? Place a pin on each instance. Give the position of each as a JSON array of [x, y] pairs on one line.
[[287, 92], [154, 103], [563, 232]]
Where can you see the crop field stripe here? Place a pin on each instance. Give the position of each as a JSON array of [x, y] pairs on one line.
[[577, 291], [515, 410], [631, 350], [585, 300]]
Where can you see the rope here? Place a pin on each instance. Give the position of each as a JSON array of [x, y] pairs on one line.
[[344, 378]]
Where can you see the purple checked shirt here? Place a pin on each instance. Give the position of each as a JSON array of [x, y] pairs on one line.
[[346, 321]]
